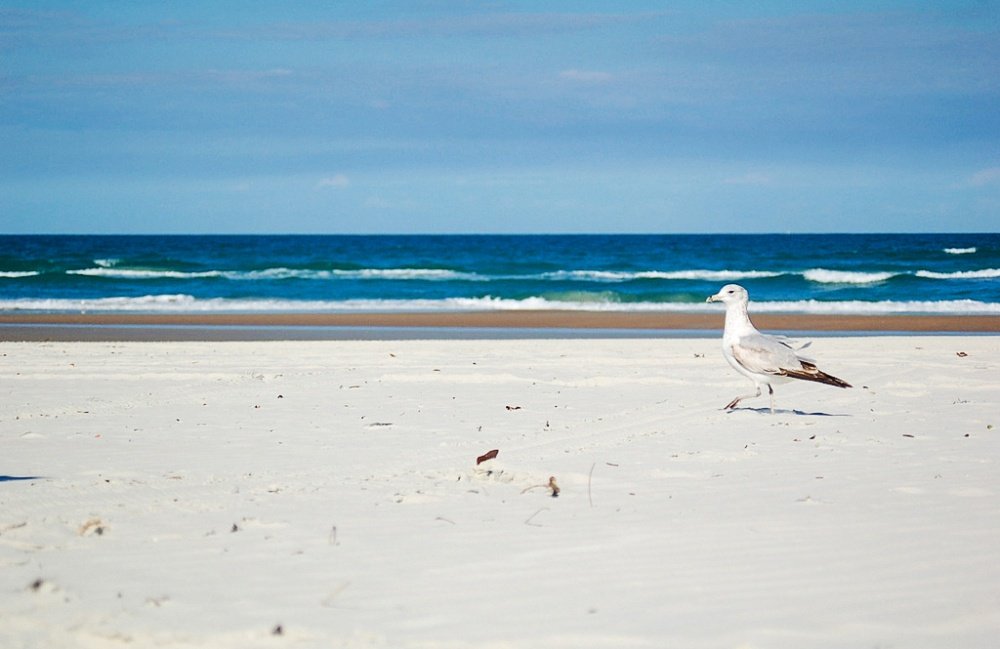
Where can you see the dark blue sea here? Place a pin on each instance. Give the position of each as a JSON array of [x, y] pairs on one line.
[[862, 273]]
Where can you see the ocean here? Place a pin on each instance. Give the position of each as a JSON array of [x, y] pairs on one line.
[[796, 273]]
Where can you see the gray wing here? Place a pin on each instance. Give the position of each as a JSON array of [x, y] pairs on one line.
[[765, 355]]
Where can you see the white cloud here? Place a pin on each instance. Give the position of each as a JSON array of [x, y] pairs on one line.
[[378, 203], [587, 76], [338, 181], [749, 178], [983, 177], [241, 76]]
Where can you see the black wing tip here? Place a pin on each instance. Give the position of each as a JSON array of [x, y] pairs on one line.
[[840, 383], [818, 377]]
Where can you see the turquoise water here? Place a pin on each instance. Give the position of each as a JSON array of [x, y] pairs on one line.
[[870, 273]]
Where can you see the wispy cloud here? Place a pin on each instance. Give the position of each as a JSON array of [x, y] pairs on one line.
[[856, 53], [18, 20], [586, 76], [491, 24], [378, 203], [29, 29], [36, 28], [336, 181], [243, 76], [983, 177], [159, 79], [751, 178]]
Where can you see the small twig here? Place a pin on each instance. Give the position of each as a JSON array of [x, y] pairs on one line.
[[590, 479], [528, 520], [551, 484], [329, 600], [13, 526], [94, 524]]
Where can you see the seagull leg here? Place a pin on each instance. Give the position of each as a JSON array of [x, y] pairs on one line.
[[771, 392], [732, 404]]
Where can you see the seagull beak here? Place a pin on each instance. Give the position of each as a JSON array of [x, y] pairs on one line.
[[712, 298]]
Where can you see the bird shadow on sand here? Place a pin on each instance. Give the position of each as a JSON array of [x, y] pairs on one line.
[[779, 411], [12, 478]]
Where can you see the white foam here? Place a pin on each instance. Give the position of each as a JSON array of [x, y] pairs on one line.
[[986, 273], [128, 273], [960, 251], [429, 274], [152, 303], [818, 275], [715, 275], [624, 276], [434, 274], [824, 276], [583, 275], [16, 274], [859, 307], [188, 304]]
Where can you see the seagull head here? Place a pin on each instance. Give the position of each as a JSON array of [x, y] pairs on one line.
[[730, 294]]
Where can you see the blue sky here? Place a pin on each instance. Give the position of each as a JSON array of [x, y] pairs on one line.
[[499, 116]]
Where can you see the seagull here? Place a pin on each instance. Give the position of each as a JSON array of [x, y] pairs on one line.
[[763, 359]]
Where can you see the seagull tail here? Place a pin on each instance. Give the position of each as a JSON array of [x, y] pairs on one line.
[[810, 373]]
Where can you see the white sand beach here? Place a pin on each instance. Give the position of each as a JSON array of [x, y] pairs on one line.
[[326, 494]]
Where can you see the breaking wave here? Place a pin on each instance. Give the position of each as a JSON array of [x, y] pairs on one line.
[[182, 303], [427, 274], [625, 276], [986, 273], [106, 269], [824, 276]]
